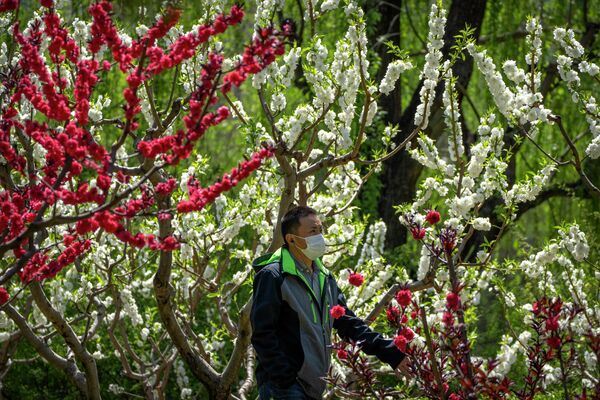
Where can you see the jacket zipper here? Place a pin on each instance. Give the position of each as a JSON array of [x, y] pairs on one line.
[[312, 297]]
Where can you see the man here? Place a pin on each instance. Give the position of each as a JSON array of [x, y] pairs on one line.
[[291, 321]]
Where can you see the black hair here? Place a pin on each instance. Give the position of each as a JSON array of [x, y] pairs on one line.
[[291, 219]]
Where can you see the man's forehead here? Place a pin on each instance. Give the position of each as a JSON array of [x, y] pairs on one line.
[[310, 221]]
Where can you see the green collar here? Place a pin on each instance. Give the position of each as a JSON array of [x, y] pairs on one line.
[[283, 256]]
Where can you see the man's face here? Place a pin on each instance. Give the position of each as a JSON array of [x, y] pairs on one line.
[[309, 226]]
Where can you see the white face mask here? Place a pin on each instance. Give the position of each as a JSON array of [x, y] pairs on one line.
[[315, 246]]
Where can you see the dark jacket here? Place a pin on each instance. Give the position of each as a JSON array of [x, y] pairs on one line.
[[291, 333]]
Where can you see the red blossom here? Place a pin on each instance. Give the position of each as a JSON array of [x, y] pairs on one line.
[[164, 188], [86, 225], [164, 216], [448, 238], [337, 311], [392, 313], [536, 308], [452, 301], [103, 181], [401, 342], [433, 217], [342, 354], [4, 296], [169, 243], [447, 318], [8, 5], [554, 342], [552, 323], [404, 297], [356, 279], [417, 232], [68, 239], [52, 104], [407, 333]]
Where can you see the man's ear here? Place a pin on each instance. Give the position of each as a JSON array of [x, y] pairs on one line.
[[298, 241], [289, 238]]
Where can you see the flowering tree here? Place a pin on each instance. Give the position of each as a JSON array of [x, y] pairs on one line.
[[117, 247], [554, 326]]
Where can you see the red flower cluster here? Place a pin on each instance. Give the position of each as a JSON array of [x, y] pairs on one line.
[[164, 188], [55, 105], [337, 311], [356, 279], [265, 47], [12, 213], [38, 268], [134, 206], [84, 83], [168, 243], [8, 152], [404, 297], [111, 224], [103, 31], [404, 337], [407, 333], [84, 194], [200, 197], [185, 46], [73, 141], [60, 39], [4, 296], [162, 26]]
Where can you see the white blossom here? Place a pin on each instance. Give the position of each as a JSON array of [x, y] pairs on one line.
[[430, 73], [395, 68], [482, 224]]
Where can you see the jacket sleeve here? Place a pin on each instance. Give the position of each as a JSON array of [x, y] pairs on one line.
[[349, 326], [264, 316]]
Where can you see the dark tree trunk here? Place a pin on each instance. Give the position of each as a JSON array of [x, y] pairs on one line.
[[400, 173]]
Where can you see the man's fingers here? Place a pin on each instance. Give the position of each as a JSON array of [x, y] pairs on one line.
[[402, 368]]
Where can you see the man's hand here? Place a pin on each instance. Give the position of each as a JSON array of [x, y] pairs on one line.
[[402, 369]]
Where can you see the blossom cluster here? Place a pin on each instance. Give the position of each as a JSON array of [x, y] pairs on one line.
[[77, 175], [431, 70], [574, 54]]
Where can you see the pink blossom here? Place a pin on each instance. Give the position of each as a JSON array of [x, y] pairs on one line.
[[401, 342], [404, 297], [433, 217], [4, 296], [356, 279], [337, 311]]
